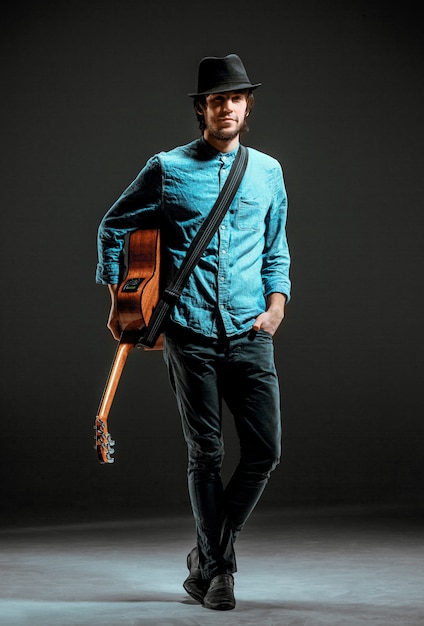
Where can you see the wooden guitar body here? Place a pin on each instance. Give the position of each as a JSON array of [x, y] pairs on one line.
[[138, 295]]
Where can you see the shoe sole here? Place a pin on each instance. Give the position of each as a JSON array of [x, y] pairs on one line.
[[222, 606]]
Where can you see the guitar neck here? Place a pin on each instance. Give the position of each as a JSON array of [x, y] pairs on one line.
[[124, 347], [104, 443]]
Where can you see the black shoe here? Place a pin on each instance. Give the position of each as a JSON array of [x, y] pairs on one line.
[[194, 584], [220, 595]]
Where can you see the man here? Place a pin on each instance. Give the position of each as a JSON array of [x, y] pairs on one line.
[[219, 338]]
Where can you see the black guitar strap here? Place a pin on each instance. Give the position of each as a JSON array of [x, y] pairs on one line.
[[199, 244]]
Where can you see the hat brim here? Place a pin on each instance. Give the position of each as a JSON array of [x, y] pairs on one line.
[[226, 87]]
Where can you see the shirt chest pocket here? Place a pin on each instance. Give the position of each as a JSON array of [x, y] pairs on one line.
[[250, 214]]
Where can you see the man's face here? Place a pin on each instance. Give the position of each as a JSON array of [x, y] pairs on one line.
[[224, 114]]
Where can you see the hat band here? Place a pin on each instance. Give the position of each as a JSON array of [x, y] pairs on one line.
[[225, 86]]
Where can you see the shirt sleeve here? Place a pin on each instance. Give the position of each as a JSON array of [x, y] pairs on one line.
[[276, 257], [137, 207]]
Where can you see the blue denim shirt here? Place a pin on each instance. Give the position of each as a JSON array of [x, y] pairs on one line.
[[247, 259]]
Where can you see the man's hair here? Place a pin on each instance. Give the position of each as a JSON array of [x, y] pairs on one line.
[[199, 103]]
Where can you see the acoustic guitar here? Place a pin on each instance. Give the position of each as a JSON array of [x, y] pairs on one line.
[[138, 295]]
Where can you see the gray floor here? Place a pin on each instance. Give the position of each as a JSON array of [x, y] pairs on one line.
[[296, 568]]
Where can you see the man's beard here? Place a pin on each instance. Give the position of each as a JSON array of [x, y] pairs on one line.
[[226, 134]]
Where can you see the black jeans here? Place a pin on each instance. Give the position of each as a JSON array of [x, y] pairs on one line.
[[240, 371]]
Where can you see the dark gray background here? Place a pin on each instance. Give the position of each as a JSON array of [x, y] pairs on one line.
[[89, 91]]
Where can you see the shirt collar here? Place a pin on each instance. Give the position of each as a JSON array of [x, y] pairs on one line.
[[214, 152]]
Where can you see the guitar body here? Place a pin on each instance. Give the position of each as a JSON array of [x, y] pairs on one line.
[[138, 295]]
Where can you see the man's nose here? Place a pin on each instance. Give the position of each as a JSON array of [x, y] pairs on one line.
[[228, 105]]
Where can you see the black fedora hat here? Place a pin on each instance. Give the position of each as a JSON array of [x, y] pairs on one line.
[[219, 74]]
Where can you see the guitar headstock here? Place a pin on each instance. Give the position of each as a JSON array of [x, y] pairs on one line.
[[104, 442]]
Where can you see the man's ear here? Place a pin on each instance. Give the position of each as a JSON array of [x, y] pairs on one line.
[[199, 109]]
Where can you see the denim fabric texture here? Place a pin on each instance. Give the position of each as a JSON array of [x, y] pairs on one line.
[[240, 371], [247, 259]]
